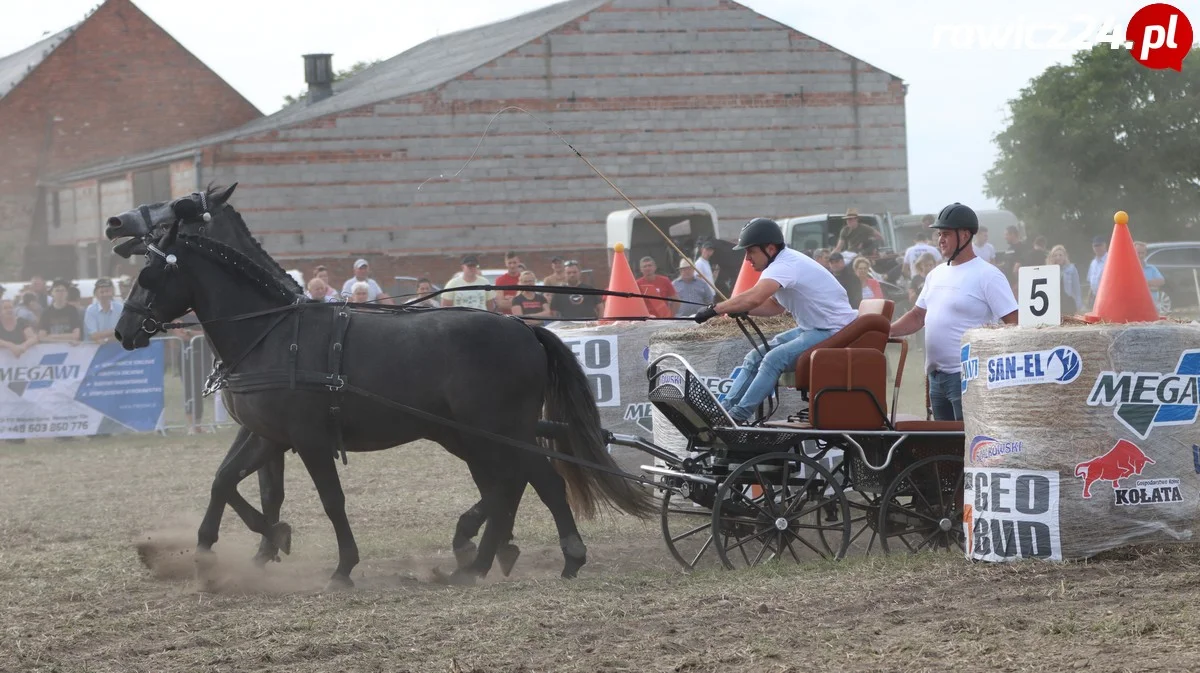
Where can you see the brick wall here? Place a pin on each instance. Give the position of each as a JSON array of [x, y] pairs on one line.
[[118, 86], [702, 100]]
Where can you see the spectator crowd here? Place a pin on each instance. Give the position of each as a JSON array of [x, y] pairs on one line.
[[56, 313]]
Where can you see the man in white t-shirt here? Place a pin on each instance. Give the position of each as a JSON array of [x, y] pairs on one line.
[[919, 248], [964, 293], [361, 271], [983, 249], [791, 281], [703, 266], [481, 299]]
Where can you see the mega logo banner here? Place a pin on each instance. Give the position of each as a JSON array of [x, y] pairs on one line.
[[57, 390]]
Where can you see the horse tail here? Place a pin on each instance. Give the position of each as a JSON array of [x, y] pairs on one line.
[[569, 401]]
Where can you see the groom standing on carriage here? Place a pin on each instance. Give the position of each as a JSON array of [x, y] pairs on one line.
[[791, 281]]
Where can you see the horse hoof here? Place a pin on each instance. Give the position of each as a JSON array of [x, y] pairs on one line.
[[463, 577], [572, 566], [280, 535], [339, 583], [206, 564], [465, 555], [262, 558], [507, 556]]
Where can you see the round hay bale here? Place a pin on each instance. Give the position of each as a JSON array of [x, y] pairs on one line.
[[1080, 439]]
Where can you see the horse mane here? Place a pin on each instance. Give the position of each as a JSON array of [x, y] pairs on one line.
[[264, 260], [229, 256]]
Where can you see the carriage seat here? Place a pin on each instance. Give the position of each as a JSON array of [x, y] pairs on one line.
[[869, 330]]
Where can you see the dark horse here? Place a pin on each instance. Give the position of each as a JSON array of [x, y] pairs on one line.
[[293, 369], [150, 223]]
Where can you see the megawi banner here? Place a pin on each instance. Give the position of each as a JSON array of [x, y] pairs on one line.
[[57, 390]]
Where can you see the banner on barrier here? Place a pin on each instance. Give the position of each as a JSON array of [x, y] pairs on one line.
[[56, 390]]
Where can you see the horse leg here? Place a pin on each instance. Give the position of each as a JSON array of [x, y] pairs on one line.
[[270, 488], [248, 453], [552, 490], [468, 527], [501, 498], [323, 470]]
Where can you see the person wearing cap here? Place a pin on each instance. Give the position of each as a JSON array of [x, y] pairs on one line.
[[558, 275], [101, 316], [854, 235], [362, 272], [846, 276], [963, 293], [60, 322], [703, 265], [690, 287], [1096, 268], [484, 300], [791, 281]]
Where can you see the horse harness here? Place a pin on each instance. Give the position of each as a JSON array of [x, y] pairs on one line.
[[334, 381]]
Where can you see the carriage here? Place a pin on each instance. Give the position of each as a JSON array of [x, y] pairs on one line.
[[848, 473]]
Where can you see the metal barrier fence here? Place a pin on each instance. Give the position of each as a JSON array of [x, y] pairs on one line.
[[188, 364]]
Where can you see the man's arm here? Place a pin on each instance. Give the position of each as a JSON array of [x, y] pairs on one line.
[[910, 323], [1010, 319], [69, 337], [751, 299]]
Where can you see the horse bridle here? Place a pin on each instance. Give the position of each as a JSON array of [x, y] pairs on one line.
[[150, 324]]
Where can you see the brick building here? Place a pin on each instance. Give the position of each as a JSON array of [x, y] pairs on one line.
[[114, 85], [674, 100]]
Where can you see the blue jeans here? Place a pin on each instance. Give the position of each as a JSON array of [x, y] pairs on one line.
[[945, 395], [756, 381]]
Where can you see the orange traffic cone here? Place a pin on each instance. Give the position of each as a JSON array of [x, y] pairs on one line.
[[1124, 294], [746, 279], [623, 308]]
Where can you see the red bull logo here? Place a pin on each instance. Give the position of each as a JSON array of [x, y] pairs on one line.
[[1121, 462]]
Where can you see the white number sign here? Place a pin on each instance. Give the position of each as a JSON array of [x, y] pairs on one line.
[[1039, 297]]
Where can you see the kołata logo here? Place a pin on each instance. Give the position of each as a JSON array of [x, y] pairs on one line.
[[1145, 400], [1122, 461]]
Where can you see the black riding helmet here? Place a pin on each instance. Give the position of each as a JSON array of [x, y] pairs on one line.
[[759, 231], [957, 216]]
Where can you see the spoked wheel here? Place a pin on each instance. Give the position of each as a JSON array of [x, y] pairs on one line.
[[864, 515], [922, 508], [687, 530], [773, 506]]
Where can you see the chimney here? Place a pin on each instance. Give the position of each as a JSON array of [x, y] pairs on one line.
[[318, 73]]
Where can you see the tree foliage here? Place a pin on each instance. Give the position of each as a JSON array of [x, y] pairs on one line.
[[337, 77], [1098, 135]]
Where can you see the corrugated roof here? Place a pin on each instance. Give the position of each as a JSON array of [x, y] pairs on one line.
[[424, 67], [14, 67]]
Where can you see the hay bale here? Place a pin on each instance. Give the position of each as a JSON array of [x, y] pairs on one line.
[[1080, 439]]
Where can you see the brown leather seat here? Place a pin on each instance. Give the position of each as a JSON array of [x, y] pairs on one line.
[[848, 389], [869, 330]]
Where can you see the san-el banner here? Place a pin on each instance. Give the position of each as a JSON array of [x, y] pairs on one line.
[[58, 390]]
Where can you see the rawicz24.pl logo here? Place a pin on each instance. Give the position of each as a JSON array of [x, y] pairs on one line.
[[1157, 36]]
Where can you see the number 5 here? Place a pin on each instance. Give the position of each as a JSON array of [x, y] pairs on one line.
[[1036, 294]]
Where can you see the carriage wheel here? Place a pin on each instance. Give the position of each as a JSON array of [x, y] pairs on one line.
[[773, 507], [687, 530], [864, 514], [922, 508]]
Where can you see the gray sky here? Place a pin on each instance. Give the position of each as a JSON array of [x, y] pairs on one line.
[[956, 97]]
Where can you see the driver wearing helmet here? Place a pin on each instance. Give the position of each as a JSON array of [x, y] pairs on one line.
[[791, 281], [963, 293]]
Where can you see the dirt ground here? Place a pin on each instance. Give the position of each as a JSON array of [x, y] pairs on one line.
[[77, 597]]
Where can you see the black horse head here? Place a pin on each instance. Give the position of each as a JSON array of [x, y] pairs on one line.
[[160, 295], [147, 222]]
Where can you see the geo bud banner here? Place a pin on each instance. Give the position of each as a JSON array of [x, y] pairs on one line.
[[57, 390]]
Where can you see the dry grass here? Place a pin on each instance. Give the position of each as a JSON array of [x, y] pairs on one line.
[[77, 598]]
